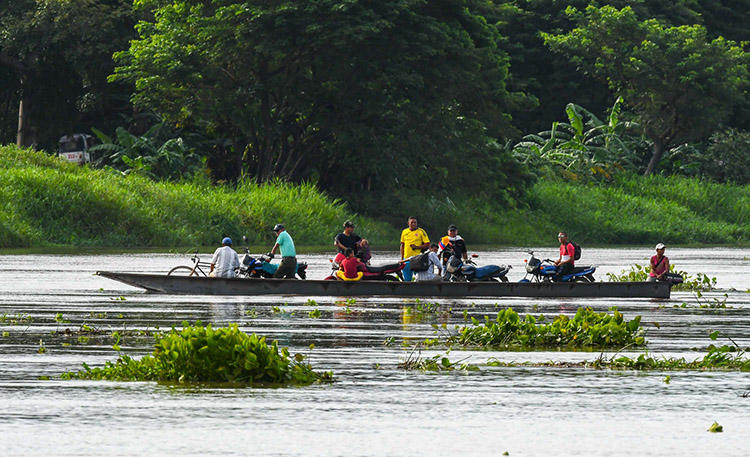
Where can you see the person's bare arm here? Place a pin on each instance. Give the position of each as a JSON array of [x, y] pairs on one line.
[[402, 250]]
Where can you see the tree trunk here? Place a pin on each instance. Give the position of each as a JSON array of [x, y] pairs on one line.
[[655, 158], [22, 114]]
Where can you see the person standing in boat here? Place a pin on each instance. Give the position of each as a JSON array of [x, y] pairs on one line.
[[225, 261], [452, 244], [284, 243], [659, 265], [413, 241]]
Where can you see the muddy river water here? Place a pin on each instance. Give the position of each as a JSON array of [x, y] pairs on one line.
[[373, 408]]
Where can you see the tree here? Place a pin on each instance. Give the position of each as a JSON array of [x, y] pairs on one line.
[[56, 55], [680, 84], [361, 95]]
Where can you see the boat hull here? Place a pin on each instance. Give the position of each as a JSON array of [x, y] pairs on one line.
[[216, 286]]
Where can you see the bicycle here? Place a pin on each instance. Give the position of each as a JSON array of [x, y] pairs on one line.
[[195, 270]]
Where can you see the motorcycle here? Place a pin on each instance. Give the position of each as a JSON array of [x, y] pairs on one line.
[[388, 272], [261, 267], [546, 271], [459, 270]]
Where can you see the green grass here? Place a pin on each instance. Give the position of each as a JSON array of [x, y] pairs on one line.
[[46, 202]]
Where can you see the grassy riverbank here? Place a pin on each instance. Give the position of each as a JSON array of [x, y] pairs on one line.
[[44, 202]]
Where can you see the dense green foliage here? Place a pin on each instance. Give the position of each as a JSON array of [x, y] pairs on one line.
[[681, 83], [204, 354], [586, 329]]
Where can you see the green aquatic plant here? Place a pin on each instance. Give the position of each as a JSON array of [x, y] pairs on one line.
[[204, 354], [314, 314], [636, 273], [715, 428], [438, 362], [586, 328]]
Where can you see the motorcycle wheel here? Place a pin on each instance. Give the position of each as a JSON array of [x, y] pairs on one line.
[[302, 274], [504, 279], [390, 278], [590, 277]]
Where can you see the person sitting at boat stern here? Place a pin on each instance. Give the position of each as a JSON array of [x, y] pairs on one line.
[[413, 241], [566, 262], [225, 261], [351, 268], [660, 268], [288, 266], [433, 262]]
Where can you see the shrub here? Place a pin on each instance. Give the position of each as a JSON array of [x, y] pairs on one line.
[[204, 354]]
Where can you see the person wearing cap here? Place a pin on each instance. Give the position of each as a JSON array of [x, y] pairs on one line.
[[413, 241], [225, 261], [659, 265], [350, 240], [284, 243], [434, 262], [452, 244], [566, 262]]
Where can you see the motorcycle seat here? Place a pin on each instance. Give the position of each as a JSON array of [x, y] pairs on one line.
[[581, 269], [489, 271], [382, 268]]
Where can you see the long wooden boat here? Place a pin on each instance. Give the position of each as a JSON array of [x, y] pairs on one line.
[[214, 286]]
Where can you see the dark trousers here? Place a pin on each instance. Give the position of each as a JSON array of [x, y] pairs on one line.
[[563, 270], [287, 268]]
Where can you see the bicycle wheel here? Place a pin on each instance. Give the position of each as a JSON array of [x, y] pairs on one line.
[[182, 270]]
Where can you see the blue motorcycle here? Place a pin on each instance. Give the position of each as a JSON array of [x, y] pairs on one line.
[[458, 270], [546, 271], [261, 267]]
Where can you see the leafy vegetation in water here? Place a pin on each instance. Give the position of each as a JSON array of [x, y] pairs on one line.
[[586, 328], [438, 362], [699, 282], [715, 428], [204, 354], [314, 314]]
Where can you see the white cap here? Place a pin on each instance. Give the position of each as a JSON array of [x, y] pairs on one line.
[[660, 246]]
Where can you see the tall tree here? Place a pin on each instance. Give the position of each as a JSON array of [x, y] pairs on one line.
[[681, 84], [367, 94]]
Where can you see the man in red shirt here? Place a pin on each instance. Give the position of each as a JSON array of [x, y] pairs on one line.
[[351, 267], [566, 262]]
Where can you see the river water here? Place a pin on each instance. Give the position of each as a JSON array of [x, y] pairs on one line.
[[374, 408]]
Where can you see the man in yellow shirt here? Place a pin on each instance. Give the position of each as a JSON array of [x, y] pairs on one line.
[[413, 240]]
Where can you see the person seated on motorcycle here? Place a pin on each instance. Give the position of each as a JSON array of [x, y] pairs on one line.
[[429, 274], [659, 265], [452, 244], [351, 268], [350, 240], [566, 262], [225, 261]]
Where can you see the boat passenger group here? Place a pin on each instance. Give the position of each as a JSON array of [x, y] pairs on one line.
[[420, 259]]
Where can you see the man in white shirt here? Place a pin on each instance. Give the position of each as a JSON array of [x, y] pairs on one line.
[[429, 275], [225, 261]]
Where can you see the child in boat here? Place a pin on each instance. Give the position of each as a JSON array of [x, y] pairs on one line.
[[351, 268]]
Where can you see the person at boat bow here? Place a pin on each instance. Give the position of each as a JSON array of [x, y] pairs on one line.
[[659, 265], [351, 267], [413, 241], [566, 262], [452, 244], [288, 266], [225, 261]]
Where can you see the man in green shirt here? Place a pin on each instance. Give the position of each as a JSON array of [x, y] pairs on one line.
[[288, 266]]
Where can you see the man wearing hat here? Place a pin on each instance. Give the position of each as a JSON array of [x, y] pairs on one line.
[[225, 261], [452, 244], [350, 240], [659, 265], [288, 266]]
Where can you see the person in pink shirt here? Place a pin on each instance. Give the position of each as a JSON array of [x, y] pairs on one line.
[[566, 262], [659, 265]]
